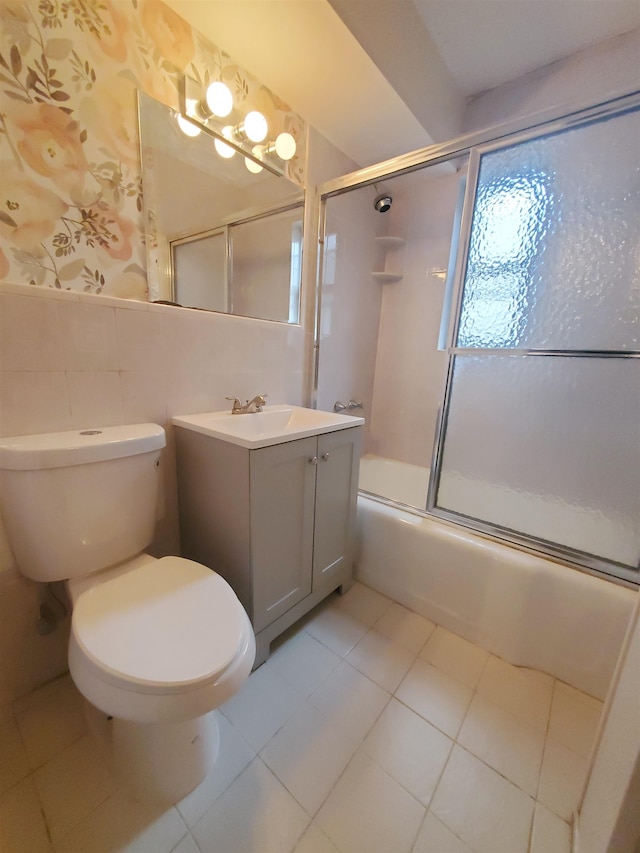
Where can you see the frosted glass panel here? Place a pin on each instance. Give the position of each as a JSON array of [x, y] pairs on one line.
[[199, 273], [549, 447], [553, 252]]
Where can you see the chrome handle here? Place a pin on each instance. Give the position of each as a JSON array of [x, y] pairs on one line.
[[325, 456], [339, 407], [353, 404], [313, 460]]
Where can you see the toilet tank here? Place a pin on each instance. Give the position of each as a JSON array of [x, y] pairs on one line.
[[77, 502]]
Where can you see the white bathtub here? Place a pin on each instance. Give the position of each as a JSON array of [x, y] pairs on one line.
[[528, 610]]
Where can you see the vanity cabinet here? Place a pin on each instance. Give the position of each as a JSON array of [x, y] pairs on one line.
[[276, 522]]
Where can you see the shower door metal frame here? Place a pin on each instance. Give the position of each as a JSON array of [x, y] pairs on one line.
[[473, 145], [582, 559]]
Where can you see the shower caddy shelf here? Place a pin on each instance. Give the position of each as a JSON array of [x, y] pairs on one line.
[[387, 276]]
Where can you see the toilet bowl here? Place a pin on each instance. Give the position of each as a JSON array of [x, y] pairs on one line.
[[156, 645], [162, 641]]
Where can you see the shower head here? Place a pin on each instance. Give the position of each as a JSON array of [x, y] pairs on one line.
[[382, 202]]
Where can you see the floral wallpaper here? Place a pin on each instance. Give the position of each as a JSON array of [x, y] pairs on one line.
[[71, 196]]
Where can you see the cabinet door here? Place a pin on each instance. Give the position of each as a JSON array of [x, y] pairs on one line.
[[336, 495], [282, 502]]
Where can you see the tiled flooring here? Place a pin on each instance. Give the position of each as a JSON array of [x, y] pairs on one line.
[[369, 729]]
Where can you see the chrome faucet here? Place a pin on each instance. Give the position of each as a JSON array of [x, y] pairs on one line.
[[250, 407], [349, 407]]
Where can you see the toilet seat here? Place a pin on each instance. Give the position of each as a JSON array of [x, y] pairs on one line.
[[160, 641]]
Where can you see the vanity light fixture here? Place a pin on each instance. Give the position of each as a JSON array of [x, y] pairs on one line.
[[206, 111], [221, 147], [188, 127], [284, 146], [219, 99], [252, 166], [254, 127]]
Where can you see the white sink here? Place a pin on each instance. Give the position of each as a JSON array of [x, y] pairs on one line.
[[274, 425]]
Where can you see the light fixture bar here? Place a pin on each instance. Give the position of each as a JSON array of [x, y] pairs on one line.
[[190, 94]]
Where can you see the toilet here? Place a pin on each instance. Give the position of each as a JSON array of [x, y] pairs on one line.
[[156, 644]]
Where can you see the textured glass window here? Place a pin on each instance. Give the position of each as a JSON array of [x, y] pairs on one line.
[[553, 257]]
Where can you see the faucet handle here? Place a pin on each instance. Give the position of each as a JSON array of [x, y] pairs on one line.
[[237, 405]]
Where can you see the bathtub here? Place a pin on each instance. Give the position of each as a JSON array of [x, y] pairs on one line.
[[529, 610]]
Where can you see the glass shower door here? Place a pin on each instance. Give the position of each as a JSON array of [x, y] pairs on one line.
[[540, 440]]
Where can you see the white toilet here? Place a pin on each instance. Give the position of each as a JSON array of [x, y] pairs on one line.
[[156, 644]]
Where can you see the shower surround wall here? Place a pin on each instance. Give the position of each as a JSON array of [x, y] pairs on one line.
[[409, 371], [351, 301], [378, 340]]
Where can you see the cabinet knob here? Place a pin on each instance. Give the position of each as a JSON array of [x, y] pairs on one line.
[[325, 456], [313, 460]]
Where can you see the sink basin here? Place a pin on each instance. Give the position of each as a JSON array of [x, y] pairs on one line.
[[274, 425]]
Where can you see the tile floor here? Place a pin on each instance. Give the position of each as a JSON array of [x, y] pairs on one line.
[[369, 729]]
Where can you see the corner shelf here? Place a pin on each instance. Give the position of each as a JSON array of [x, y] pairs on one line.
[[387, 277], [389, 243]]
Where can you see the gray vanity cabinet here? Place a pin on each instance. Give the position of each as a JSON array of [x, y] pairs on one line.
[[277, 522]]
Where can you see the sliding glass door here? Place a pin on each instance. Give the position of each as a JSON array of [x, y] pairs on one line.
[[540, 434]]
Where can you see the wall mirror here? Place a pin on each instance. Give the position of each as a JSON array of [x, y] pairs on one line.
[[218, 236]]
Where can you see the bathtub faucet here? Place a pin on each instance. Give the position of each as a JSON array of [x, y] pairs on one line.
[[250, 407], [350, 406]]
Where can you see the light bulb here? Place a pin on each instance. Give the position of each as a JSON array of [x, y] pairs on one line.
[[221, 147], [285, 146], [187, 127], [252, 166], [255, 126], [219, 99]]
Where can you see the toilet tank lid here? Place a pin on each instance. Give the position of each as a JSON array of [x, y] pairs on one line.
[[78, 447]]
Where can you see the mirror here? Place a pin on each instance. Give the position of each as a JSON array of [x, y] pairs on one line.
[[218, 236]]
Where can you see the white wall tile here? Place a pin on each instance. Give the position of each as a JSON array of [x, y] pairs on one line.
[[89, 336], [141, 344], [95, 399], [33, 402], [30, 334]]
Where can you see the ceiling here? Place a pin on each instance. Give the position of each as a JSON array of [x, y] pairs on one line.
[[382, 77]]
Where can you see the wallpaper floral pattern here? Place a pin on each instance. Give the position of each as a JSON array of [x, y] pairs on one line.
[[70, 186]]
